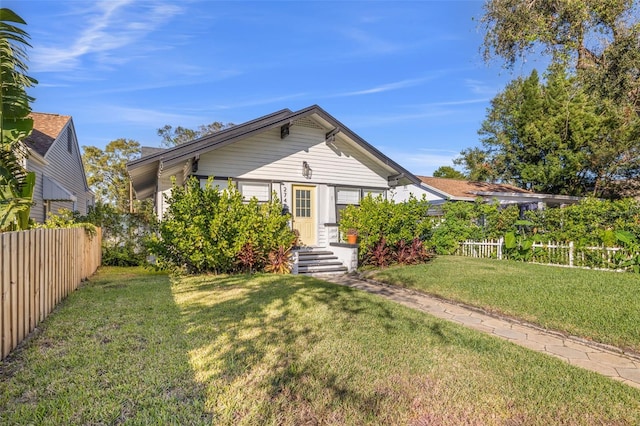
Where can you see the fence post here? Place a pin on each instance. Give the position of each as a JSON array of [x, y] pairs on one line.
[[571, 253], [500, 242]]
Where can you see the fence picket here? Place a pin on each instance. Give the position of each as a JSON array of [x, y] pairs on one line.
[[553, 253], [39, 268]]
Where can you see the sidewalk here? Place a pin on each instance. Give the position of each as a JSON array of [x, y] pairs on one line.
[[579, 352]]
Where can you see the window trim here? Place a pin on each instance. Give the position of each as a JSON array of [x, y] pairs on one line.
[[363, 191]]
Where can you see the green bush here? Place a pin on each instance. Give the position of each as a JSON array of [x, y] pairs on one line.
[[383, 225], [209, 230], [123, 234], [592, 222], [471, 221]]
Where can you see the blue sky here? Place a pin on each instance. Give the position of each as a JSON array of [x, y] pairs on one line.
[[408, 77]]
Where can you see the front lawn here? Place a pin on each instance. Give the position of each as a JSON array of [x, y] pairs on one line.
[[599, 305], [132, 347]]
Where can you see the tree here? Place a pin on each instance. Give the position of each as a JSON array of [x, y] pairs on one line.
[[107, 171], [449, 173], [553, 137], [476, 164], [16, 184], [597, 44], [179, 135], [578, 31]]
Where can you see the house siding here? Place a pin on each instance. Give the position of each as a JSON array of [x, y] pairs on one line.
[[401, 194], [37, 213], [267, 157], [65, 168]]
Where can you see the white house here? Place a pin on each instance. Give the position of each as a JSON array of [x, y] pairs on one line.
[[315, 164], [54, 155], [438, 190]]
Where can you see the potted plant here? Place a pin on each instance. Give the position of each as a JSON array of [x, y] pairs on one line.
[[352, 236]]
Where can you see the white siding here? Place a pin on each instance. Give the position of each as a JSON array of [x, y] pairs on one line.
[[267, 157], [165, 183], [37, 209], [65, 168], [402, 193]]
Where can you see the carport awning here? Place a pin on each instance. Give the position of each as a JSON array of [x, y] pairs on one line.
[[53, 191]]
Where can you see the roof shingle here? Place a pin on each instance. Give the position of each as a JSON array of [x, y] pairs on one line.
[[464, 188], [46, 128]]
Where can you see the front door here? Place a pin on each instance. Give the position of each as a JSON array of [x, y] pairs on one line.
[[304, 221]]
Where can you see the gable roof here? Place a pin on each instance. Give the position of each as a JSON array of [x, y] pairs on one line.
[[144, 171], [464, 189], [46, 128]]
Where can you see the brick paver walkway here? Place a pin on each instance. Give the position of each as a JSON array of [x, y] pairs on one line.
[[599, 358]]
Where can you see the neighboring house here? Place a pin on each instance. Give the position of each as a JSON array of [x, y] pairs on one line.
[[54, 155], [315, 164], [437, 190]]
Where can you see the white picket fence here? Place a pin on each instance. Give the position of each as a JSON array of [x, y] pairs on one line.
[[550, 253]]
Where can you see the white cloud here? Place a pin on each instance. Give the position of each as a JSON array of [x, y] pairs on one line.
[[370, 43], [383, 88], [141, 116], [111, 25], [480, 87]]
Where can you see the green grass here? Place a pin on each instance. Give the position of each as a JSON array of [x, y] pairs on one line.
[[132, 347], [598, 305]]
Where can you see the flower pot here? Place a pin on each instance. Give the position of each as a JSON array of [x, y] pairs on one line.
[[352, 238]]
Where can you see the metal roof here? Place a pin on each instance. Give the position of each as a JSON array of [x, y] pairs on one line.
[[144, 171]]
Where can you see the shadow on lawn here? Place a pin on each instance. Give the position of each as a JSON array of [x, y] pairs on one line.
[[270, 346], [113, 352]]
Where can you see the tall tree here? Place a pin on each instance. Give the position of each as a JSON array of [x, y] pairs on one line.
[[579, 31], [597, 42], [553, 137], [477, 165], [449, 173], [179, 135], [107, 171], [16, 184]]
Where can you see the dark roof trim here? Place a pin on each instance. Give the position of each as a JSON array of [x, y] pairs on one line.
[[185, 151], [193, 147], [366, 145]]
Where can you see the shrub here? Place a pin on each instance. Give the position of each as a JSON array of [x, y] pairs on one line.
[[376, 219], [212, 230], [280, 261], [384, 227], [123, 234], [471, 221]]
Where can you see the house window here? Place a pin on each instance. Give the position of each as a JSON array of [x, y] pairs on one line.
[[222, 184], [260, 190], [303, 202], [352, 196]]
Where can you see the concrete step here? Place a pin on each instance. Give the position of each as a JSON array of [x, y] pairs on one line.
[[321, 269], [319, 262], [326, 257], [305, 253]]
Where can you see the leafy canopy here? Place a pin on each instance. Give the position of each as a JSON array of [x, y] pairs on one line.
[[16, 184], [179, 135], [449, 173], [580, 132], [107, 171]]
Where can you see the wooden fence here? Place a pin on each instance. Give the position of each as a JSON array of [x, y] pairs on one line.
[[38, 269], [551, 253]]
